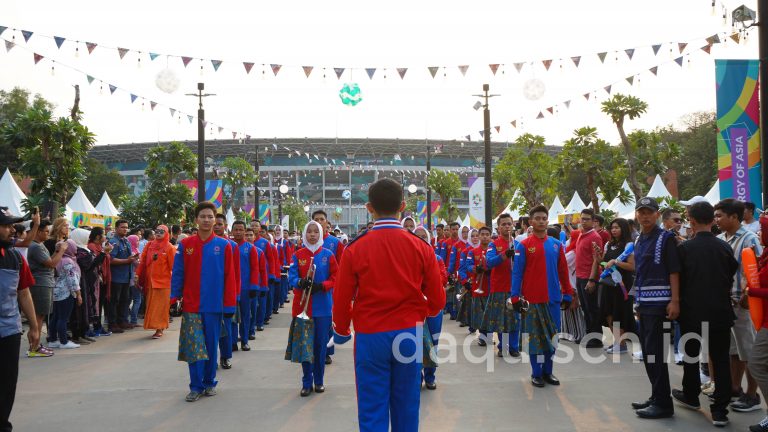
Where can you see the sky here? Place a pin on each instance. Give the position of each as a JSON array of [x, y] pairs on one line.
[[357, 35]]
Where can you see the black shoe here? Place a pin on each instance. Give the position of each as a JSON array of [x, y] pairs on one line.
[[210, 391], [655, 412], [514, 353], [305, 392], [258, 329], [253, 337], [319, 388], [234, 346], [430, 386], [462, 325], [226, 363], [245, 347], [500, 353], [328, 360], [481, 342], [760, 427], [594, 343], [551, 380], [275, 312], [720, 419], [193, 396], [642, 405], [682, 399], [537, 381]]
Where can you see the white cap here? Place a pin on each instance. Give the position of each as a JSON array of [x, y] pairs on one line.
[[694, 200]]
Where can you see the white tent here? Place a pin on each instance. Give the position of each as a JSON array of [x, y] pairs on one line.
[[508, 209], [658, 190], [79, 203], [106, 207], [230, 218], [576, 205], [713, 196], [466, 221], [601, 201], [555, 210], [621, 209], [11, 195]]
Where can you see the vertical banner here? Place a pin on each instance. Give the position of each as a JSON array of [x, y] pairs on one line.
[[476, 201], [738, 125], [264, 213], [250, 210], [214, 191], [421, 212]]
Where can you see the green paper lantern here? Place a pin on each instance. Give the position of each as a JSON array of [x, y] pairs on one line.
[[350, 94]]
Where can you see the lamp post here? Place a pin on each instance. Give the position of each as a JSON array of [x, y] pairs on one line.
[[487, 138], [200, 141], [429, 191], [283, 189]]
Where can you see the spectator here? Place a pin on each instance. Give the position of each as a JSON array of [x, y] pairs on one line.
[[136, 295], [758, 362], [65, 293], [42, 265], [586, 276], [618, 294], [175, 232], [146, 236], [600, 228], [750, 223], [154, 274], [80, 320], [98, 246], [59, 232], [672, 222], [121, 268]]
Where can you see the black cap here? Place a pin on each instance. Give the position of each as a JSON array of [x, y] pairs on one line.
[[647, 202], [6, 218]]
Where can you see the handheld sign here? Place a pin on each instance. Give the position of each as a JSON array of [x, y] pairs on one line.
[[749, 264]]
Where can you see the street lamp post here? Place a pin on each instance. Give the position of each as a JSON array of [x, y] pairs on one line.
[[283, 189], [487, 139], [429, 191], [200, 141]]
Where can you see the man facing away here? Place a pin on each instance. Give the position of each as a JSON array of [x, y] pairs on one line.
[[388, 284]]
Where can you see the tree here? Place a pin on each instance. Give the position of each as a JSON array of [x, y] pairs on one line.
[[593, 158], [51, 151], [100, 179], [696, 163], [412, 203], [12, 104], [528, 167], [447, 186], [619, 107], [297, 216], [652, 153], [239, 173]]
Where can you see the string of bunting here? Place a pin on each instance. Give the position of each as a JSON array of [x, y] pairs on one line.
[[675, 48]]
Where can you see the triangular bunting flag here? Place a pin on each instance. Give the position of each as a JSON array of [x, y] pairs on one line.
[[567, 103], [630, 52], [715, 38], [494, 68], [234, 134], [189, 117], [630, 79], [547, 63], [656, 49], [679, 61], [221, 129], [91, 46], [275, 68], [173, 112], [247, 137], [216, 64], [602, 56], [370, 72], [654, 70], [682, 46], [152, 105], [463, 69], [89, 78], [38, 57], [551, 110], [482, 133], [248, 66], [122, 52], [153, 56], [513, 123], [706, 48], [586, 96], [498, 128], [307, 70], [468, 137], [9, 45], [736, 37], [607, 89], [576, 60], [2, 29], [519, 66], [339, 72], [540, 116], [433, 70], [112, 89], [402, 72], [186, 60], [59, 41], [27, 35], [133, 98], [205, 124]]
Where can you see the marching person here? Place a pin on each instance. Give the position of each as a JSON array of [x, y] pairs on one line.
[[285, 252], [259, 304], [540, 284], [250, 280], [454, 262], [389, 283], [228, 343], [204, 277], [263, 244], [464, 316], [450, 294], [480, 276], [154, 274], [312, 273], [408, 223]]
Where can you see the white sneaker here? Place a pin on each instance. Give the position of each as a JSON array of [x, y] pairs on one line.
[[54, 344], [70, 345], [638, 355], [679, 358]]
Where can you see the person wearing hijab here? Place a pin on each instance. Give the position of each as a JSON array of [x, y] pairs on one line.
[[479, 283], [154, 275], [408, 223], [284, 253], [572, 322], [465, 303], [66, 292], [312, 273], [454, 262], [102, 279], [136, 295], [80, 324]]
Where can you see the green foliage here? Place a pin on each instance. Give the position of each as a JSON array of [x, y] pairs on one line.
[[528, 167], [99, 179], [669, 202], [411, 203], [447, 186], [696, 163], [238, 174], [618, 108], [608, 215], [12, 104], [296, 213], [51, 152], [652, 153], [167, 164]]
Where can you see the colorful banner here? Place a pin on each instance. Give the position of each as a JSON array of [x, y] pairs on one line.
[[250, 210], [476, 201], [738, 125], [91, 220], [421, 212], [214, 191], [265, 213]]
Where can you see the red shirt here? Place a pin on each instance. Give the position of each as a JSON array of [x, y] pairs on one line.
[[501, 274], [389, 280], [584, 253], [605, 235], [478, 254]]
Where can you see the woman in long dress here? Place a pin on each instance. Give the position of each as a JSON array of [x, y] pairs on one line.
[[154, 274], [573, 325]]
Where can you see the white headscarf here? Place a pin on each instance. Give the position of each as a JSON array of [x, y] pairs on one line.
[[80, 236], [312, 247], [469, 238], [271, 238], [461, 229], [421, 227], [402, 222], [278, 232]]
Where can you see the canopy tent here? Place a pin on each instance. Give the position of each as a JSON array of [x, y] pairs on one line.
[[713, 196], [11, 195], [230, 218], [79, 203], [466, 222], [624, 210], [508, 209], [658, 190], [106, 207], [576, 205], [555, 210], [601, 201]]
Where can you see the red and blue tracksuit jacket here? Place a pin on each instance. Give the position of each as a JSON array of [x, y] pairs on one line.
[[285, 252], [494, 257], [264, 245], [251, 276], [334, 245], [477, 257], [204, 275], [540, 272], [321, 303]]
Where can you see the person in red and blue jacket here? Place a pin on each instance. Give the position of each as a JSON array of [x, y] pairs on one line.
[[388, 284], [285, 253], [450, 294], [228, 343], [540, 284], [480, 276], [464, 315], [204, 278], [319, 286], [250, 280], [330, 242], [453, 262], [275, 268], [263, 244], [259, 304]]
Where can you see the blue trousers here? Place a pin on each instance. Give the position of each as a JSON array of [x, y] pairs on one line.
[[136, 298], [314, 372], [513, 338], [246, 309], [275, 289], [259, 310], [284, 288], [270, 301], [388, 389], [541, 365], [62, 309], [202, 374], [435, 326], [225, 342]]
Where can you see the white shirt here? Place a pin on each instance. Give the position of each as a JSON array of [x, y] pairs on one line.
[[754, 226]]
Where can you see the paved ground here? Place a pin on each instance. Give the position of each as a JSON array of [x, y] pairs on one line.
[[132, 383]]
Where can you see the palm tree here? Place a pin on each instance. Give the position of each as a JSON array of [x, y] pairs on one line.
[[618, 108]]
